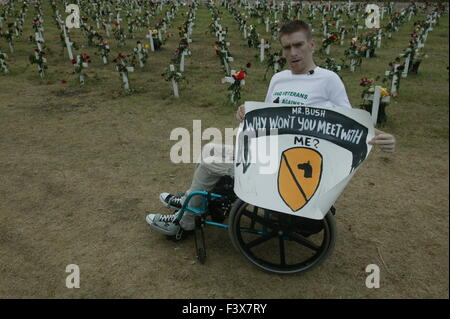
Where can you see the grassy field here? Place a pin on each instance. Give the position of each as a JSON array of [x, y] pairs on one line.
[[81, 166]]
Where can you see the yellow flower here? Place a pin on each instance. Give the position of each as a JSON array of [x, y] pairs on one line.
[[384, 92], [371, 89], [154, 31], [146, 46]]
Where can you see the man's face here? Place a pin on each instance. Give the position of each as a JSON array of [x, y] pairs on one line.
[[298, 51]]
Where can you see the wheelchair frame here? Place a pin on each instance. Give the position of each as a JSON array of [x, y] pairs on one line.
[[283, 226]]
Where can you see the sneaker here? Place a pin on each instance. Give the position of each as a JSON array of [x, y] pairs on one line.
[[166, 224], [171, 201]]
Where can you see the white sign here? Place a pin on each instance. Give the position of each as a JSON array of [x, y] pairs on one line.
[[298, 159]]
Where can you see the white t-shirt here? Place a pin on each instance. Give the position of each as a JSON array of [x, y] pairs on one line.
[[322, 88]]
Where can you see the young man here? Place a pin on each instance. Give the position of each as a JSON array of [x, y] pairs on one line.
[[303, 84]]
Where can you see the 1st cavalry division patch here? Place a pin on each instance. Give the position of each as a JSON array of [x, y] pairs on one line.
[[299, 176]]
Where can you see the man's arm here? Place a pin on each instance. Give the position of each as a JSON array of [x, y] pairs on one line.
[[240, 113], [338, 97]]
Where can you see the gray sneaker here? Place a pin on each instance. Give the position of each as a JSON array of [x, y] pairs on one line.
[[166, 224], [171, 201]]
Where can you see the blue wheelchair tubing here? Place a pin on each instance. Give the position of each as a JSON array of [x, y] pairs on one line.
[[203, 209]]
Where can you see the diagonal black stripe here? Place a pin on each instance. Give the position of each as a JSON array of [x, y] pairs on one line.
[[293, 176]]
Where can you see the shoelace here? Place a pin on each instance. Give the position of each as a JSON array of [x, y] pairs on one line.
[[167, 218], [174, 200]]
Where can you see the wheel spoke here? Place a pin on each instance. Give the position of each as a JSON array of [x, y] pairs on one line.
[[303, 241], [255, 212], [260, 240], [261, 220]]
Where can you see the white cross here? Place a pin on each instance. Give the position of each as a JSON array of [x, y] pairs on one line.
[[150, 37], [174, 83]]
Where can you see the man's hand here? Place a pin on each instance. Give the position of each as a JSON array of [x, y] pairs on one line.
[[385, 141], [240, 113]]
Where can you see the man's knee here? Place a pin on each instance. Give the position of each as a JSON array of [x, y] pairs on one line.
[[213, 153]]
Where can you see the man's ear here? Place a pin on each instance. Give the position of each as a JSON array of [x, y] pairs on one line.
[[313, 44]]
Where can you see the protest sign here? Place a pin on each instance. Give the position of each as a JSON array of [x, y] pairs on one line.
[[298, 159]]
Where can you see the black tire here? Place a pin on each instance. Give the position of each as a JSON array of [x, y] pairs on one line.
[[258, 233]]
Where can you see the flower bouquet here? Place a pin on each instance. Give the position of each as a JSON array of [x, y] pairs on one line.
[[80, 63], [104, 51], [368, 97], [170, 74], [237, 80], [326, 43], [394, 74], [123, 68], [275, 61], [331, 65], [119, 35], [140, 53], [253, 38], [354, 53], [38, 58]]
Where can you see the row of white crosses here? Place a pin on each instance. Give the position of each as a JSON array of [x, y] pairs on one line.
[[186, 51], [220, 34], [190, 20], [38, 34], [422, 37], [395, 80], [66, 32]]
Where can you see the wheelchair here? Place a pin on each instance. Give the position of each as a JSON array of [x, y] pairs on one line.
[[274, 242]]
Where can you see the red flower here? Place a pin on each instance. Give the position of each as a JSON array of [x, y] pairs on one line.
[[74, 61], [401, 67], [391, 64], [63, 81], [239, 75], [352, 42]]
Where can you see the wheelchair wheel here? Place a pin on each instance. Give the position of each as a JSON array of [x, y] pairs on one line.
[[280, 243]]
